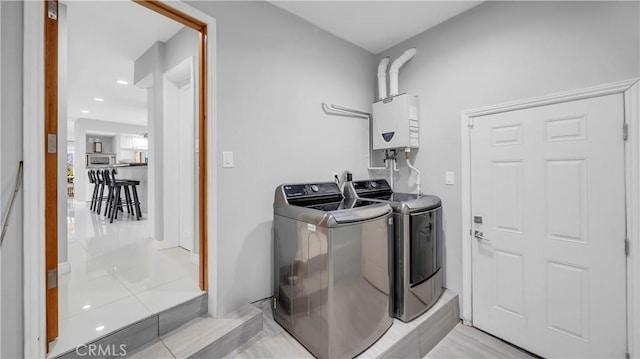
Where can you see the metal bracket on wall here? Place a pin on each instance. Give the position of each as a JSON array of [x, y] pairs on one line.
[[338, 110]]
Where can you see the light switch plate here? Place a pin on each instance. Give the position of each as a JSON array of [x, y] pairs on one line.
[[227, 159], [449, 178]]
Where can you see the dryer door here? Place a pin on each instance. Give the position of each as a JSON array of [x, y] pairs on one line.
[[424, 261]]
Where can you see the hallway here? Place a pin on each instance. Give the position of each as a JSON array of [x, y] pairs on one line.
[[118, 276]]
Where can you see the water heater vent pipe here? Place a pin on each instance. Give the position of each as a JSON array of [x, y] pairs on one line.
[[382, 78], [395, 70]]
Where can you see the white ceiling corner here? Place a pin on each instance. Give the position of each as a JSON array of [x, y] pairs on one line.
[[375, 25]]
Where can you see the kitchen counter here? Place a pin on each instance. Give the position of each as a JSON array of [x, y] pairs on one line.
[[130, 165], [117, 165]]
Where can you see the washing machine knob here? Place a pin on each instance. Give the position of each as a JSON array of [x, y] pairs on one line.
[[314, 188]]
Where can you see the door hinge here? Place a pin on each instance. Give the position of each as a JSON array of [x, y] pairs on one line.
[[52, 143], [275, 303], [52, 10], [52, 278], [626, 246], [625, 131], [470, 123]]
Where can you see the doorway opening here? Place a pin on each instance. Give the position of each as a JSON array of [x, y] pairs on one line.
[[121, 258]]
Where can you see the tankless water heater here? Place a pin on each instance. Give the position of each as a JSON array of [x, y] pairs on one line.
[[396, 123]]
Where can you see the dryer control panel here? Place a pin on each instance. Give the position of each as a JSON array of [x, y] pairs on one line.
[[371, 185]]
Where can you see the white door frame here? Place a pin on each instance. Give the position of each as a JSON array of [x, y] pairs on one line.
[[172, 100], [1, 214], [631, 91], [33, 147]]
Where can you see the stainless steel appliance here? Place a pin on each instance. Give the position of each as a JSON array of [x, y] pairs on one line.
[[100, 159], [418, 245], [331, 268]]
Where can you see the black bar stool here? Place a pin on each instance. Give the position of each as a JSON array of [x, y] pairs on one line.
[[94, 196], [115, 202], [110, 191], [100, 192]]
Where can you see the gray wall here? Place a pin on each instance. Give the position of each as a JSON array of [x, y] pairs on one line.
[[10, 155], [274, 70], [499, 52]]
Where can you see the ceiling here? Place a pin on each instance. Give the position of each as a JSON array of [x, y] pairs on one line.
[[106, 37], [375, 25], [104, 40]]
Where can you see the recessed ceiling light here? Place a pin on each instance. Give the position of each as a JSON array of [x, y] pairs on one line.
[[86, 306], [122, 82], [99, 328], [84, 111], [99, 99]]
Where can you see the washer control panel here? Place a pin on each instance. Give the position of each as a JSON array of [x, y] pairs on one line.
[[311, 189]]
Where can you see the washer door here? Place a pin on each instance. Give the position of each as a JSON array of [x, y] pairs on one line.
[[423, 247]]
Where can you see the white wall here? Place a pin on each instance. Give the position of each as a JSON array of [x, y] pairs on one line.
[[183, 44], [149, 70], [11, 294], [274, 70], [500, 52]]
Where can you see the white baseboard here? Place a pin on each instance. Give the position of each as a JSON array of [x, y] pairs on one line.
[[160, 244], [64, 267]]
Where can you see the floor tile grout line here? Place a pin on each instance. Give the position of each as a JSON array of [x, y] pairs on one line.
[[158, 285], [123, 283], [94, 308], [167, 347], [146, 306]]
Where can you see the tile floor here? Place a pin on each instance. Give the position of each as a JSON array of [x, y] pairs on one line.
[[118, 276], [462, 342], [468, 342], [205, 337]]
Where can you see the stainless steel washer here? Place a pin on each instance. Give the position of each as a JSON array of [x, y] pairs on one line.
[[418, 245], [331, 268]]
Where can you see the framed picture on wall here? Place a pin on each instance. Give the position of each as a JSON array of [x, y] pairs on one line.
[[97, 147]]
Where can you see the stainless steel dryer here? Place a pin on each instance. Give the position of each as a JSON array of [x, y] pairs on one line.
[[418, 245], [331, 268]]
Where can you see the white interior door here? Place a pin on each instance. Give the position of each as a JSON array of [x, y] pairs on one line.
[[548, 182]]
